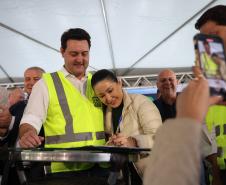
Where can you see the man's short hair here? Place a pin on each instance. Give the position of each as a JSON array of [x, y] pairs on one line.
[[36, 69], [216, 14], [74, 34]]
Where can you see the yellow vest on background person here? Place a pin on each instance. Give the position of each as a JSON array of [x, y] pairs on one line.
[[72, 119], [211, 68], [216, 118]]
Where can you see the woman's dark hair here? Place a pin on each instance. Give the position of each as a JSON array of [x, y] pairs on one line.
[[216, 14], [103, 74], [74, 34]]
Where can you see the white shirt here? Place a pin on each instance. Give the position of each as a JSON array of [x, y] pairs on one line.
[[36, 110]]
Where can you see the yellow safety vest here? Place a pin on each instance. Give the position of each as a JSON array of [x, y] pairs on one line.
[[210, 66], [72, 119], [216, 119]]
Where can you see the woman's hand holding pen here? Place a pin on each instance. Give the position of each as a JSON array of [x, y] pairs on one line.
[[122, 140]]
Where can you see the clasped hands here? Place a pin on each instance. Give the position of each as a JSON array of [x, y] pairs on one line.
[[121, 140]]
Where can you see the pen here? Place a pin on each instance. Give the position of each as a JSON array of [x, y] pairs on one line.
[[118, 127], [117, 130]]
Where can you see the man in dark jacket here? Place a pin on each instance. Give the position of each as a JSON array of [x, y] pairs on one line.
[[167, 86], [31, 76]]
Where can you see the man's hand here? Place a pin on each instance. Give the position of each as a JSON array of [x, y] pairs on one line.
[[5, 120], [15, 96], [194, 101], [29, 137]]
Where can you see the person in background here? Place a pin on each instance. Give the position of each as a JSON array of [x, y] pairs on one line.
[[17, 104], [180, 163], [15, 95], [167, 87], [31, 76], [59, 102], [221, 64], [213, 22], [3, 95], [131, 120], [4, 118], [18, 101], [210, 67]]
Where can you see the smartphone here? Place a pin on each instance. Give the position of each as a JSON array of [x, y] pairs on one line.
[[210, 57]]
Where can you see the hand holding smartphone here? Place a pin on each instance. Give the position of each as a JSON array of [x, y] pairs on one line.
[[210, 57]]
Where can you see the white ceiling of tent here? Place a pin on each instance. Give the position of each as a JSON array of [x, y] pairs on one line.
[[125, 33]]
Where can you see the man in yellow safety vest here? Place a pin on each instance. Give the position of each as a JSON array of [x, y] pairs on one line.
[[65, 104], [213, 21]]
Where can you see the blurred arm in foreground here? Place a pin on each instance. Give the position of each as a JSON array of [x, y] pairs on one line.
[[180, 163]]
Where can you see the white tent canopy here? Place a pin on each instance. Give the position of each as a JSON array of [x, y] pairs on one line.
[[127, 35]]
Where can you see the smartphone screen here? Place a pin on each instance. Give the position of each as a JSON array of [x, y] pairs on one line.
[[210, 57]]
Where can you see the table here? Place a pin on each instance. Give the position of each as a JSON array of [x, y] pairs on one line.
[[92, 154]]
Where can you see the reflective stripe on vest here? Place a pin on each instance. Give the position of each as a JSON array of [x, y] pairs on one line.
[[217, 130], [100, 135]]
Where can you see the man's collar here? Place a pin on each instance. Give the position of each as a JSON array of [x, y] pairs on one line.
[[66, 73]]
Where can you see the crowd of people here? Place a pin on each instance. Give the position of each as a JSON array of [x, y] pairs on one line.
[[72, 108]]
